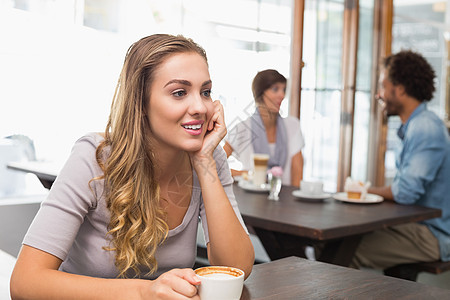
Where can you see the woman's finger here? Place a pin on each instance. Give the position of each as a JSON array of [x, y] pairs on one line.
[[177, 284], [218, 115], [187, 274], [185, 282]]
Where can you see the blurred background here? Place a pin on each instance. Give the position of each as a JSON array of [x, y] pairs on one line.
[[60, 61]]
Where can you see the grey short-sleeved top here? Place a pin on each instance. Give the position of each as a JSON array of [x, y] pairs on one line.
[[72, 222]]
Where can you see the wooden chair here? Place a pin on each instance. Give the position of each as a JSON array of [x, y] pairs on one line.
[[411, 271]]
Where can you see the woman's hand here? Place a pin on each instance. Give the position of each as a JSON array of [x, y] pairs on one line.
[[216, 131], [174, 284]]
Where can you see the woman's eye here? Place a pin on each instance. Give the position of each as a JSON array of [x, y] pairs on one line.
[[180, 93], [206, 93]]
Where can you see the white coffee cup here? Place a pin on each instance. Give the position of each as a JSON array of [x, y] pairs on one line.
[[312, 188], [220, 282], [260, 162]]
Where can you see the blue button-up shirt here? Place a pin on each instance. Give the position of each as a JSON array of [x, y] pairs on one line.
[[423, 170]]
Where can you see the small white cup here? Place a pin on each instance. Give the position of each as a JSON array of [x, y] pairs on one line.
[[313, 188], [220, 283]]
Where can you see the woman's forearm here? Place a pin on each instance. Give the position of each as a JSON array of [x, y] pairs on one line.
[[53, 284], [35, 276], [297, 169], [229, 244]]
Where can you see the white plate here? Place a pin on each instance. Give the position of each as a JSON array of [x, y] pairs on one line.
[[370, 198], [300, 194], [250, 187]]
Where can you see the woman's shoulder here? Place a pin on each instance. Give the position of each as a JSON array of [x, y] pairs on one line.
[[291, 120], [86, 146], [292, 124], [94, 138]]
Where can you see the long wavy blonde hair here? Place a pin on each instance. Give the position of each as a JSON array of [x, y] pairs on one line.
[[137, 225]]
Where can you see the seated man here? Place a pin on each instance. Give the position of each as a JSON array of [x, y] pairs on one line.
[[423, 168]]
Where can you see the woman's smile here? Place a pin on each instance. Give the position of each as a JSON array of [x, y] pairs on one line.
[[193, 127]]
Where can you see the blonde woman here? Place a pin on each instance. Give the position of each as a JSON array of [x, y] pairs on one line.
[[126, 205]]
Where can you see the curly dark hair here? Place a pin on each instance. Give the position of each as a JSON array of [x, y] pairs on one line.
[[411, 70]]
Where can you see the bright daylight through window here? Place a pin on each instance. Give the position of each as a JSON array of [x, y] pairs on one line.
[[61, 58]]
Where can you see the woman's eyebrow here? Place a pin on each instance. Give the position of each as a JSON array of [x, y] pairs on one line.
[[186, 82], [180, 81], [207, 82]]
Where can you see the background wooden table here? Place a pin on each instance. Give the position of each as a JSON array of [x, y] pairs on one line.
[[298, 278], [286, 226]]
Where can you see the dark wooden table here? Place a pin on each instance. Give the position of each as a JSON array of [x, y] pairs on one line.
[[45, 171], [298, 278], [286, 226]]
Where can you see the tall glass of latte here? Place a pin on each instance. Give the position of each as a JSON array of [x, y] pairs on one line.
[[260, 168]]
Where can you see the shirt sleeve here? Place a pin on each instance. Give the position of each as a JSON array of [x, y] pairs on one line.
[[57, 222], [420, 159], [226, 179]]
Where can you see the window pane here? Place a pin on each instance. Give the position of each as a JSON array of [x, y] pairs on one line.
[[360, 136], [102, 14], [365, 44], [321, 85], [320, 123], [419, 27], [322, 45], [362, 96]]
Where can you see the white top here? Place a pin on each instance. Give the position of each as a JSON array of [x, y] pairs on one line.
[[240, 139], [72, 222]]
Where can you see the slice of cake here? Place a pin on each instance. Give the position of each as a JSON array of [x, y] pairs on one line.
[[356, 189]]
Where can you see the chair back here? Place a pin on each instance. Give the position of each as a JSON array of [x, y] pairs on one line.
[[14, 148]]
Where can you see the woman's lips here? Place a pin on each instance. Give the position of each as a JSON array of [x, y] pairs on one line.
[[193, 127]]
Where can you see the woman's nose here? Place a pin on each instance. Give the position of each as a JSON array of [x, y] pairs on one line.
[[197, 105]]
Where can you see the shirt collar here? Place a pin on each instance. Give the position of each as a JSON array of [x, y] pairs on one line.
[[401, 131]]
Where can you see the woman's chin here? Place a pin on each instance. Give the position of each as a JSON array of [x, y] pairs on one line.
[[194, 147]]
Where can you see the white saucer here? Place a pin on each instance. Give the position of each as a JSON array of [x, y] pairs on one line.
[[250, 187], [370, 198], [300, 194]]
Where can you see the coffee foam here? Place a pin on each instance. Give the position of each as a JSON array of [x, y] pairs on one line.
[[260, 162], [219, 272], [260, 159]]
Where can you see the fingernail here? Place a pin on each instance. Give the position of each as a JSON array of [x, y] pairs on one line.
[[196, 278]]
